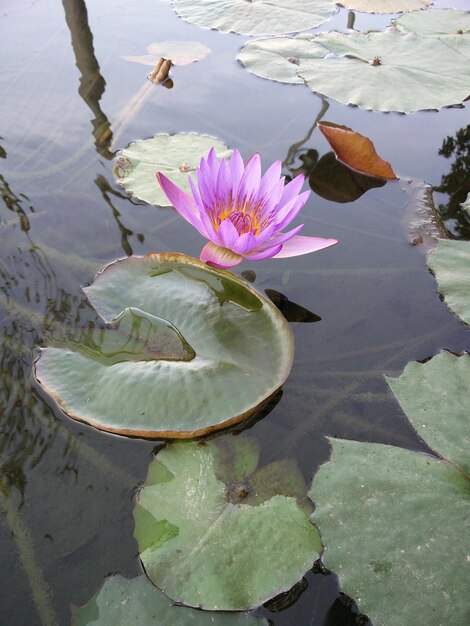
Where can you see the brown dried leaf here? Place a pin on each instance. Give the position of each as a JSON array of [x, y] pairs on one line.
[[356, 151]]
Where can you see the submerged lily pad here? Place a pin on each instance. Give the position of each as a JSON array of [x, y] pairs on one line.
[[179, 52], [279, 58], [188, 349], [395, 522], [215, 533], [384, 6], [176, 156], [450, 263], [135, 601], [337, 182], [256, 17], [388, 71]]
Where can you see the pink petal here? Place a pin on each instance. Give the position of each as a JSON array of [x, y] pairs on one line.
[[219, 257], [303, 245], [183, 202], [205, 183], [228, 234], [213, 162], [288, 212], [292, 189], [250, 181], [223, 185], [270, 179], [280, 238], [237, 168], [264, 254], [244, 244]]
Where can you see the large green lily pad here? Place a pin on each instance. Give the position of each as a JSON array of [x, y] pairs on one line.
[[395, 522], [384, 6], [278, 58], [436, 22], [256, 17], [389, 71], [450, 263], [136, 602], [192, 349], [176, 156], [215, 533]]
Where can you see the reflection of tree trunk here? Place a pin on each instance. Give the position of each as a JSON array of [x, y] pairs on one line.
[[92, 83], [293, 150]]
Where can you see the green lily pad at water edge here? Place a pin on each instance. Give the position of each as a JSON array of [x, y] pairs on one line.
[[389, 71], [176, 156], [395, 522], [192, 349], [384, 6], [435, 22], [450, 263], [215, 533], [278, 58], [256, 17], [136, 602]]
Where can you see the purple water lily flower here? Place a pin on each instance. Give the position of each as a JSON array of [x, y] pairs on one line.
[[241, 213]]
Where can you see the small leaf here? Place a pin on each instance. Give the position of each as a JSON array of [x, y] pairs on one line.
[[356, 151], [243, 537], [180, 53], [136, 602]]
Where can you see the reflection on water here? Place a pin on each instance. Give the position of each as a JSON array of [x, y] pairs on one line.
[[456, 184], [92, 83]]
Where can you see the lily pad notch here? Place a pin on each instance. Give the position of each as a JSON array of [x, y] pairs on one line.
[[192, 350]]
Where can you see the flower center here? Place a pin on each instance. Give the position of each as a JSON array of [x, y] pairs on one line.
[[243, 222]]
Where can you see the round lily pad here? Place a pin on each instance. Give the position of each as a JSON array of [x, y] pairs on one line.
[[384, 6], [435, 22], [256, 17], [176, 156], [450, 263], [187, 349], [279, 58], [395, 522], [216, 533], [388, 71], [136, 602], [179, 52]]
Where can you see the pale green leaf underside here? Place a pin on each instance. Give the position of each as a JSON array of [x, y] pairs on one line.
[[436, 22], [176, 156], [450, 262], [436, 399], [410, 72], [243, 352], [256, 17], [136, 602], [279, 58], [203, 545], [180, 53], [395, 527], [384, 6]]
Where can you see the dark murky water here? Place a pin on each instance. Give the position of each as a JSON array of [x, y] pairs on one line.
[[65, 489]]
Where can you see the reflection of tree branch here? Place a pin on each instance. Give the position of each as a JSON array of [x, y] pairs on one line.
[[106, 191], [294, 149], [92, 83]]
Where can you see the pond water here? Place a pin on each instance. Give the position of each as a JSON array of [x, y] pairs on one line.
[[66, 496]]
